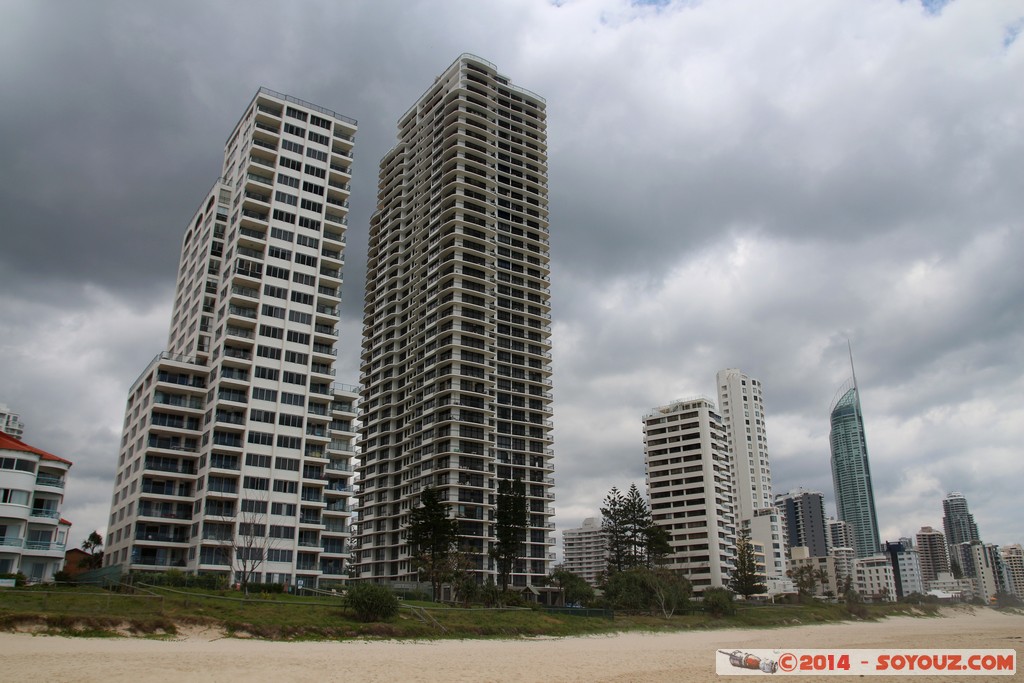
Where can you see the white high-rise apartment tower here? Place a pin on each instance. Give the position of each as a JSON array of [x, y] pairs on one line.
[[236, 456], [456, 331], [584, 550], [689, 483], [742, 405]]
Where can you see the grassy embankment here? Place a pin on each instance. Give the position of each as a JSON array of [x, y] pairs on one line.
[[93, 612]]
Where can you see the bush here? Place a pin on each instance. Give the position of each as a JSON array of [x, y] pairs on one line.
[[372, 602], [19, 578], [62, 577], [718, 601], [629, 590]]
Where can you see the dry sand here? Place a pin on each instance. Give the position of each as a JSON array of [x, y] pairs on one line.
[[689, 656]]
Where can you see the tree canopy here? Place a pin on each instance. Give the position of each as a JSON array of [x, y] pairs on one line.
[[511, 522], [632, 538], [432, 538], [745, 579]]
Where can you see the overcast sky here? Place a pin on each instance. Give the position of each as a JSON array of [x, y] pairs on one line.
[[733, 184]]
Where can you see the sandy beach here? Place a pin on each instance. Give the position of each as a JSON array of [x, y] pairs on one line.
[[632, 657]]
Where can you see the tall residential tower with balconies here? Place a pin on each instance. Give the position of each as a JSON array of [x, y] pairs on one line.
[[456, 370], [236, 455]]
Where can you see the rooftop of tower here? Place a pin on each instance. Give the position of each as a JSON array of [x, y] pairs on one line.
[[469, 57]]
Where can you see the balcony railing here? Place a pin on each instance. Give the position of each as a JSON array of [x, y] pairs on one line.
[[43, 545], [11, 542], [45, 513], [47, 480]]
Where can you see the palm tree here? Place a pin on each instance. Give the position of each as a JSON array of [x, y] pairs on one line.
[[94, 546]]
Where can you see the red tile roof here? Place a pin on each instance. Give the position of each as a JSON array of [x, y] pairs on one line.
[[9, 443]]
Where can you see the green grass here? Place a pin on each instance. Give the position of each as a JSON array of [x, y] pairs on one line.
[[93, 612]]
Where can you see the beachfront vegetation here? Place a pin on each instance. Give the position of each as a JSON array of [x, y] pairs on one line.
[[745, 579], [433, 539], [160, 611]]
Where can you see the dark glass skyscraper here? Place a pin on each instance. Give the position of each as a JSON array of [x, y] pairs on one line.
[[851, 474]]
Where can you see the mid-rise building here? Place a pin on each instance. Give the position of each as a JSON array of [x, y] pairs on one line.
[[689, 483], [874, 578], [10, 422], [828, 571], [237, 446], [32, 532], [946, 587], [906, 567], [986, 568], [1013, 561], [844, 559], [934, 553], [584, 551], [840, 533], [456, 357], [804, 515], [741, 402], [851, 471]]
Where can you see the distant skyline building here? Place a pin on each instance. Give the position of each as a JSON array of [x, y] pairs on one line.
[[906, 566], [957, 520], [934, 553], [10, 422], [237, 445], [584, 550], [456, 350], [804, 515], [851, 471], [1013, 561], [689, 483], [741, 402], [840, 534]]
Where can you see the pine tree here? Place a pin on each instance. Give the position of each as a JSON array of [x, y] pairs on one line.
[[613, 528], [631, 536], [511, 521], [745, 578], [432, 538]]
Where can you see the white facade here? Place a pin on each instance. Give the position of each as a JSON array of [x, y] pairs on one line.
[[741, 403], [236, 454], [10, 422], [840, 534], [584, 550], [689, 483], [908, 568], [1013, 561], [32, 533], [874, 579], [945, 586], [456, 362], [742, 408]]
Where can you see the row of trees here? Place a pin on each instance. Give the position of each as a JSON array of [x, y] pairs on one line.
[[433, 539], [637, 578]]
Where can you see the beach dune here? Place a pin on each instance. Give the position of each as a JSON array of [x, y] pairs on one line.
[[623, 658]]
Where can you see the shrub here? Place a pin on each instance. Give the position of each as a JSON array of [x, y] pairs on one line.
[[371, 602], [62, 577], [19, 578], [718, 601]]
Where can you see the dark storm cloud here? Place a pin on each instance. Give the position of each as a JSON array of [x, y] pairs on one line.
[[728, 189]]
